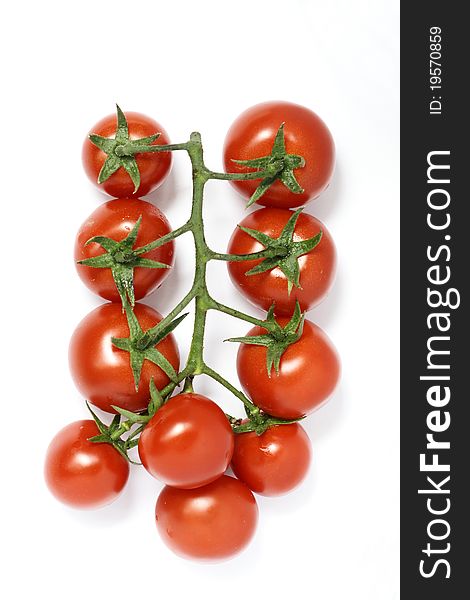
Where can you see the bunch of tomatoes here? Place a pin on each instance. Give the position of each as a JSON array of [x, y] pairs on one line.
[[124, 358]]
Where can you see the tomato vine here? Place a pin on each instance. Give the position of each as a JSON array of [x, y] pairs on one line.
[[124, 358], [204, 301]]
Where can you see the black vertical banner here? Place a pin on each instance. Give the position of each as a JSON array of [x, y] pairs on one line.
[[435, 321]]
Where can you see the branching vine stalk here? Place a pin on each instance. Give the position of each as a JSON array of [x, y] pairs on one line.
[[203, 254]]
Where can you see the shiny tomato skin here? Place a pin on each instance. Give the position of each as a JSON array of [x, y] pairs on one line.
[[102, 372], [211, 523], [317, 268], [115, 219], [275, 462], [308, 373], [153, 167], [80, 473], [252, 136], [188, 442]]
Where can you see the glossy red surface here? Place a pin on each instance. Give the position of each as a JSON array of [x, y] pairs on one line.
[[252, 135], [317, 268], [115, 219], [275, 462], [84, 474], [188, 442], [210, 523], [153, 167], [308, 373], [102, 372]]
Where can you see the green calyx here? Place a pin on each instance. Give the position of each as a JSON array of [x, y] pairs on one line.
[[141, 345], [122, 259], [285, 251], [124, 423], [156, 400], [278, 339], [277, 166], [111, 434], [260, 424], [121, 150], [257, 421]]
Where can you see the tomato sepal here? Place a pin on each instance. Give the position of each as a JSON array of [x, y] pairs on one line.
[[141, 345], [121, 151], [107, 433], [278, 166], [116, 428], [111, 434], [262, 424], [285, 251], [258, 421], [130, 416], [156, 399], [278, 339], [122, 259], [158, 333]]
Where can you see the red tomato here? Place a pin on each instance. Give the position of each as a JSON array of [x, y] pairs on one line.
[[213, 522], [115, 219], [102, 372], [308, 373], [188, 442], [252, 136], [83, 474], [317, 268], [275, 462], [153, 167]]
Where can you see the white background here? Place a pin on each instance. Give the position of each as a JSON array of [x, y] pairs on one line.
[[197, 65]]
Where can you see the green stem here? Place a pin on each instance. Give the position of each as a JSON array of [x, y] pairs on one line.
[[169, 317], [132, 148], [202, 255], [251, 408], [168, 389], [203, 300], [136, 432], [188, 385], [268, 253], [250, 176], [125, 426], [163, 240], [228, 310]]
